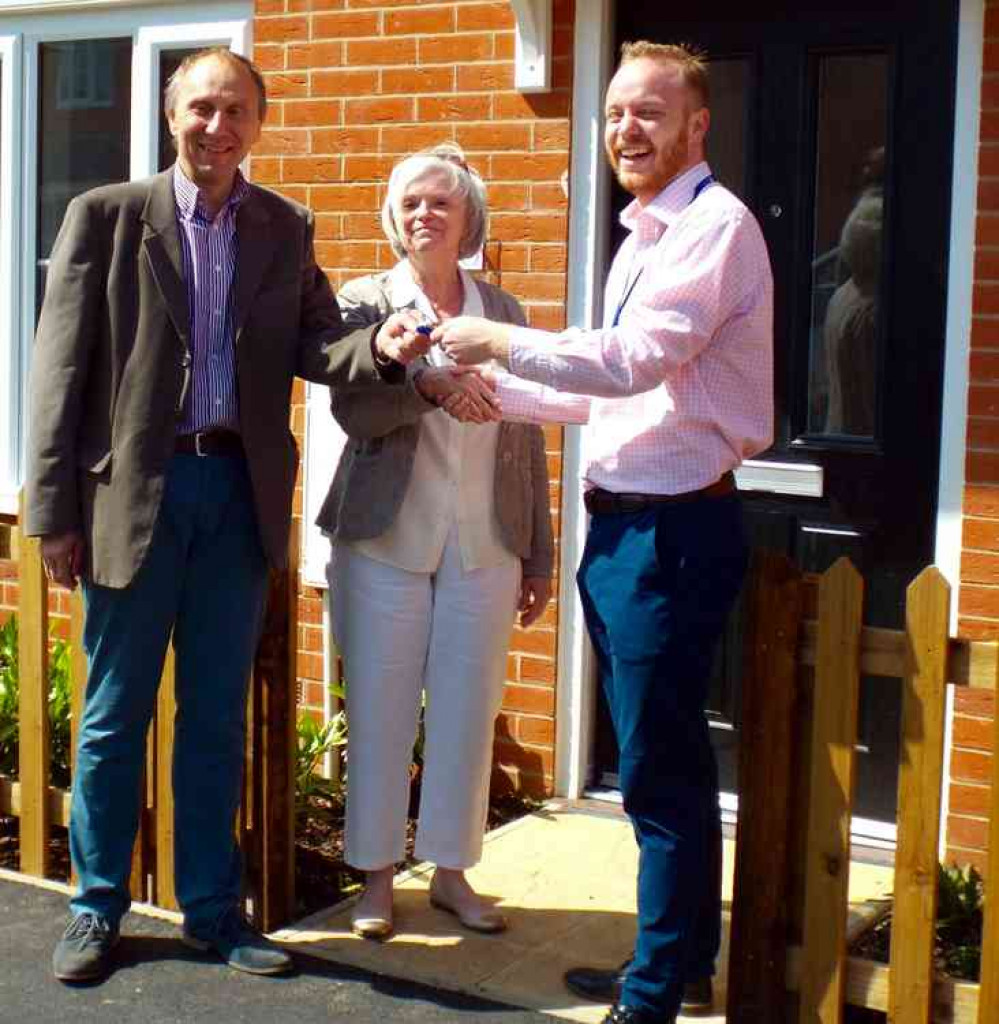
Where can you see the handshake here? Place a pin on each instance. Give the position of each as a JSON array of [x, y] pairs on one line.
[[465, 390]]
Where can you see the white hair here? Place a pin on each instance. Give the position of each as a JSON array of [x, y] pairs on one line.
[[449, 160]]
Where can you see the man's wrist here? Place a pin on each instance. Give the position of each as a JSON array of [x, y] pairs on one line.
[[390, 370], [430, 397], [501, 347]]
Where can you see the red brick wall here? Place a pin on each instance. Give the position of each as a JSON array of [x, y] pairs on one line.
[[356, 84], [979, 600]]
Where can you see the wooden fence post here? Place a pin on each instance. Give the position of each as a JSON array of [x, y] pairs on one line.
[[275, 675], [988, 995], [759, 904], [77, 684], [166, 707], [834, 737], [910, 983], [33, 713]]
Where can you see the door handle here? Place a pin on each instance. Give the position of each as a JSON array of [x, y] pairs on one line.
[[775, 210]]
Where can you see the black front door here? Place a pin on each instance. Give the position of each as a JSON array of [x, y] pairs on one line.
[[834, 122]]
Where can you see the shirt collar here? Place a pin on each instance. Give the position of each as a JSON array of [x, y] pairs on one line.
[[405, 294], [187, 195], [669, 203]]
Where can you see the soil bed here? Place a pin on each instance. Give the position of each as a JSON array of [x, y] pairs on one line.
[[321, 877]]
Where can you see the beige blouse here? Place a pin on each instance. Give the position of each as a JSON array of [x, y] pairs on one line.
[[454, 466]]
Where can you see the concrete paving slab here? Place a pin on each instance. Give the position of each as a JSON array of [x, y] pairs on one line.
[[565, 877]]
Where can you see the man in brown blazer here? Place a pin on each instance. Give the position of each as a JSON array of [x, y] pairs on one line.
[[160, 474]]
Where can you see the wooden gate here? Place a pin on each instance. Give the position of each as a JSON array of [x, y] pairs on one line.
[[806, 650]]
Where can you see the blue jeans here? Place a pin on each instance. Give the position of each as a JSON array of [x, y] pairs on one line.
[[656, 588], [203, 579]]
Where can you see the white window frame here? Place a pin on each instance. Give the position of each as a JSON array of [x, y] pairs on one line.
[[11, 354], [152, 27]]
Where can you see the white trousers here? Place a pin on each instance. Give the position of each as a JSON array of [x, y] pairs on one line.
[[401, 633]]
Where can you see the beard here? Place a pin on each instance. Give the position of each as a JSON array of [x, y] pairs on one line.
[[666, 166]]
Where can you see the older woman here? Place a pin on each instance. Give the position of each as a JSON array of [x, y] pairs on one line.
[[441, 534]]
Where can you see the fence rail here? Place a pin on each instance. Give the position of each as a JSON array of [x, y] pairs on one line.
[[269, 768], [806, 648]]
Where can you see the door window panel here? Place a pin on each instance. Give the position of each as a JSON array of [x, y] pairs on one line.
[[84, 118], [847, 311], [731, 89]]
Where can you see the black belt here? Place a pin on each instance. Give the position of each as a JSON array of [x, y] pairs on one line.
[[210, 442], [601, 503]]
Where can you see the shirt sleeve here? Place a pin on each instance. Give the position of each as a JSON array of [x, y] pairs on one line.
[[529, 402], [689, 288]]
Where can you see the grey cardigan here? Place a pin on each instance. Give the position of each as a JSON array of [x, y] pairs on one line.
[[383, 427]]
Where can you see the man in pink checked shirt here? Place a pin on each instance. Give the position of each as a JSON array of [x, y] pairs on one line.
[[677, 390]]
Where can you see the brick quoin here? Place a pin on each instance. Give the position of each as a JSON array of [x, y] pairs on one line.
[[979, 597], [354, 88]]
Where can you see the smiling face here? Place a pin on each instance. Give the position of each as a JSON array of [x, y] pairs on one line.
[[215, 121], [654, 128], [431, 217]]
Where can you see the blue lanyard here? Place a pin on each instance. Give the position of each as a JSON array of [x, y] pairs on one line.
[[698, 189]]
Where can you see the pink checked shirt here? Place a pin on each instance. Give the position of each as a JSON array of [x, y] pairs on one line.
[[683, 384]]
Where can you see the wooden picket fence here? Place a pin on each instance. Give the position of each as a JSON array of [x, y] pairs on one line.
[[269, 786], [806, 650]]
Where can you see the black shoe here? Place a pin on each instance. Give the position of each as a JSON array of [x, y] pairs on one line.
[[619, 1014], [604, 986], [84, 951], [240, 945], [698, 997]]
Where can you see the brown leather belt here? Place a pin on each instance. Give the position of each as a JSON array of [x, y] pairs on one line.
[[601, 503], [210, 442]]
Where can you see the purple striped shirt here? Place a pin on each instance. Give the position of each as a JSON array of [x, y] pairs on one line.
[[209, 249]]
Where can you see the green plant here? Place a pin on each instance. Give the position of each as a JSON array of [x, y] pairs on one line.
[[60, 705], [9, 695], [315, 741], [960, 912]]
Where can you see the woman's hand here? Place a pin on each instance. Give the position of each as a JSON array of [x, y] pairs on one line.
[[461, 391], [534, 594]]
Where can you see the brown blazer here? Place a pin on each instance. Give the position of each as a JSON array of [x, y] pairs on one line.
[[111, 363], [383, 429]]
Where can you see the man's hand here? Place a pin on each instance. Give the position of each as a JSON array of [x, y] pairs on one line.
[[534, 594], [470, 339], [62, 556], [399, 341], [464, 392]]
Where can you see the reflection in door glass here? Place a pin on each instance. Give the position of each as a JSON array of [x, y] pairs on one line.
[[730, 105], [846, 307], [83, 127], [169, 62]]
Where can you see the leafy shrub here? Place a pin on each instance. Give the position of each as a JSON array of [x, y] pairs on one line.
[[960, 913], [60, 704], [958, 940], [314, 793]]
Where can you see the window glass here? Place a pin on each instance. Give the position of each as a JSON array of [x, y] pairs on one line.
[[84, 118], [169, 62], [846, 309], [730, 105]]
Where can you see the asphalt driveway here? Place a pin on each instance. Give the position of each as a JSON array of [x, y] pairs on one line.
[[160, 981]]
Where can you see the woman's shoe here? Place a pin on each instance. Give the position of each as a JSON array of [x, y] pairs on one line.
[[371, 918], [476, 914]]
